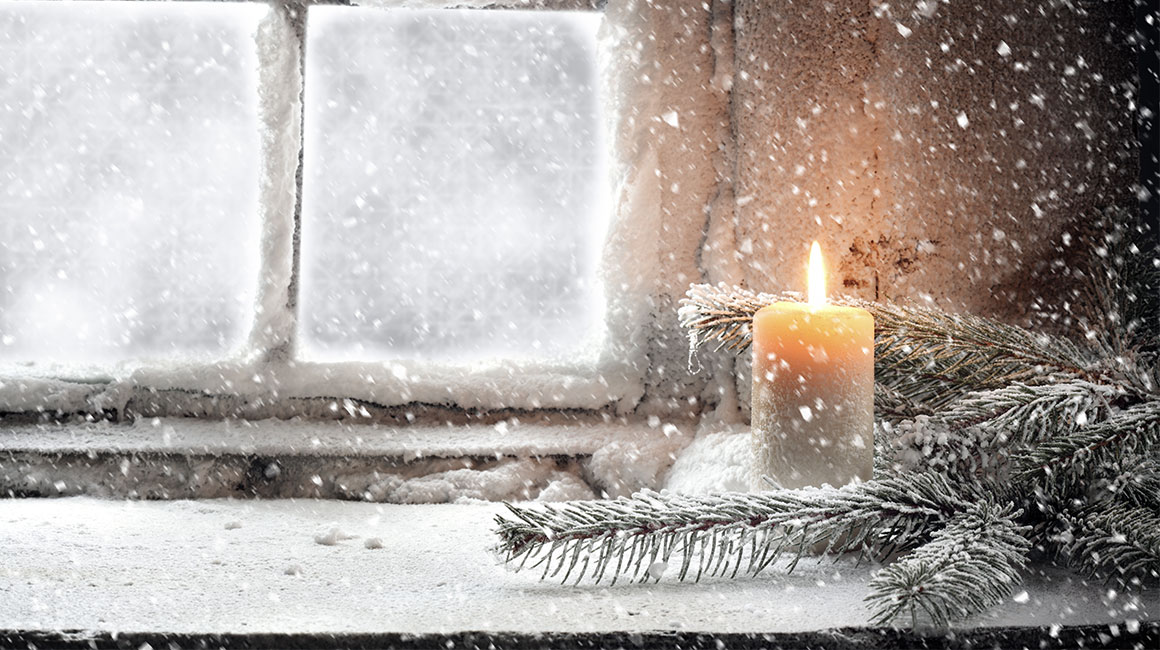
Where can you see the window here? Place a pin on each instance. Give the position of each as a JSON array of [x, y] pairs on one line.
[[128, 180], [442, 242], [454, 182]]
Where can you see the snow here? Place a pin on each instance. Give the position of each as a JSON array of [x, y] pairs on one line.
[[189, 436], [331, 534], [716, 461], [81, 563], [628, 465], [518, 479], [280, 110]]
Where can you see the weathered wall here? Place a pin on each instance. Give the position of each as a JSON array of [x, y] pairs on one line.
[[935, 149]]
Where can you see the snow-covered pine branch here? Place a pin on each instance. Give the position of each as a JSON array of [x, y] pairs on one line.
[[1074, 459], [1117, 541], [723, 534], [971, 564], [976, 435], [925, 356]]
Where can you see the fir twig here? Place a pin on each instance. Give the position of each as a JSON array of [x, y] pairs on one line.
[[722, 314], [968, 566], [1066, 461], [975, 436], [922, 354], [935, 357], [723, 534], [1137, 480], [1121, 542]]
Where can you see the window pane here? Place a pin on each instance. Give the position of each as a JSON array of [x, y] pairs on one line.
[[128, 179], [454, 198]]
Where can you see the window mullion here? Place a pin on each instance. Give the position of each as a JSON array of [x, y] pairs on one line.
[[281, 51]]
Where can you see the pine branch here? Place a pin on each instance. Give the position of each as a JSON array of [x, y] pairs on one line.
[[1069, 461], [723, 534], [894, 407], [934, 357], [723, 314], [1119, 299], [1119, 541], [968, 566], [1137, 481], [976, 435], [923, 355]]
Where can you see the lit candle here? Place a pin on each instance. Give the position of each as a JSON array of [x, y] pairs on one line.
[[813, 390]]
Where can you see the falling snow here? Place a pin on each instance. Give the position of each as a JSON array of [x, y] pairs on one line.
[[476, 269]]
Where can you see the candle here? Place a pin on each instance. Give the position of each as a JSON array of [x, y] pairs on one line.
[[813, 390]]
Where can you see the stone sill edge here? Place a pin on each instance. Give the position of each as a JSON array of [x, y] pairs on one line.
[[1146, 635], [318, 439]]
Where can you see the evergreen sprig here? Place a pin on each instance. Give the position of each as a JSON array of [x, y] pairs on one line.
[[1118, 541], [1075, 458], [922, 354], [723, 534], [976, 435], [968, 566]]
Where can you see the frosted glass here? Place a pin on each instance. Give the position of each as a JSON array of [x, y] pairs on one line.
[[128, 179], [454, 194]]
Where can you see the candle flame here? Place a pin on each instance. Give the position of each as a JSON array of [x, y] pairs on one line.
[[817, 277]]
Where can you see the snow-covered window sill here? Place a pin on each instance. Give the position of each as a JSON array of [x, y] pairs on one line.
[[549, 459], [281, 573]]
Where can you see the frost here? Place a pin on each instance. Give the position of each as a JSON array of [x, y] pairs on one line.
[[671, 119], [962, 120], [129, 153], [623, 467], [1003, 49], [478, 232], [904, 30]]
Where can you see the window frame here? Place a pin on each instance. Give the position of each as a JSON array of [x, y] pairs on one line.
[[266, 368]]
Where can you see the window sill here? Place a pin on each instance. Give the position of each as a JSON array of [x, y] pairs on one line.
[[187, 458], [253, 568]]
